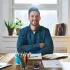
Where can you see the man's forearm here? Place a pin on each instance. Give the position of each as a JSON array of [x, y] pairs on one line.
[[47, 50], [27, 48]]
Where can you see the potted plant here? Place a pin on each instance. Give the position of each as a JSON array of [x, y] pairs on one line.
[[10, 27], [19, 23]]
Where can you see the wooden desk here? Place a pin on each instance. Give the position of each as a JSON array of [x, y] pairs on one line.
[[42, 68], [9, 58]]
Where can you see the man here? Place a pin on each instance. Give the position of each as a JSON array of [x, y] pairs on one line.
[[34, 38]]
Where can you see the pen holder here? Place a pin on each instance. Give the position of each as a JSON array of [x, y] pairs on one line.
[[23, 60]]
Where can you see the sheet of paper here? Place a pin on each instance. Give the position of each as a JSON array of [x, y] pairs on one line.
[[51, 64], [65, 65], [35, 56]]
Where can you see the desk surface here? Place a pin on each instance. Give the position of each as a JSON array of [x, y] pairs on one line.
[[9, 58]]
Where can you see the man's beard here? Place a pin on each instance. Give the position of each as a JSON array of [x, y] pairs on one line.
[[35, 23]]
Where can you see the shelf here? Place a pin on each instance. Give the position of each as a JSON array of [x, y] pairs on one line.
[[60, 36], [15, 36]]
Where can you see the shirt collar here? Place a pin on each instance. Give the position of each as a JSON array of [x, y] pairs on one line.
[[36, 29]]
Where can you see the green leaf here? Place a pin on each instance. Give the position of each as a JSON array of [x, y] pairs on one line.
[[6, 23], [18, 22], [10, 25]]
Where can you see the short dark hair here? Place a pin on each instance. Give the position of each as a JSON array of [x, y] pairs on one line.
[[33, 9]]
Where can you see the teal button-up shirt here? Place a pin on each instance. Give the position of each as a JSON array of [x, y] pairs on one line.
[[30, 42]]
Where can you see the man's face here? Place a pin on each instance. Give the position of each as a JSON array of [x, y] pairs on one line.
[[34, 18]]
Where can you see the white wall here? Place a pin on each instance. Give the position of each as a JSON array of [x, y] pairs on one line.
[[68, 17], [0, 23], [4, 15], [65, 13], [69, 24], [0, 17], [5, 11]]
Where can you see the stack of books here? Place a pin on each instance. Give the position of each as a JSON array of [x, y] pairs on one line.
[[60, 29]]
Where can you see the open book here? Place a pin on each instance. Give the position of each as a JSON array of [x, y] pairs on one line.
[[4, 65], [56, 56]]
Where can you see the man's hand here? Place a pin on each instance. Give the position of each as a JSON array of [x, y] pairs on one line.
[[41, 45]]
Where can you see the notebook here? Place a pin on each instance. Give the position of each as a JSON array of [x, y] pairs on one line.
[[56, 56], [4, 65]]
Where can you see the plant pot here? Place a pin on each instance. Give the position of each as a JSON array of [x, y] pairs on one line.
[[10, 32], [17, 30]]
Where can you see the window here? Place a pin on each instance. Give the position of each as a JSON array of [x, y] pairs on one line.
[[35, 1], [48, 10]]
